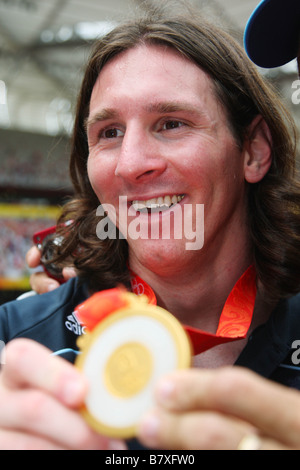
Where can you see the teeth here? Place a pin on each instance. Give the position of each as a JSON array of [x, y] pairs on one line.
[[157, 204]]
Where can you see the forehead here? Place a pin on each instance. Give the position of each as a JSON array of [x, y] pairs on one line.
[[150, 70]]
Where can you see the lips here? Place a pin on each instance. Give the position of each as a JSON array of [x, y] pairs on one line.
[[158, 204]]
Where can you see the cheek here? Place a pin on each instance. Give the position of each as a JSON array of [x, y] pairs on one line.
[[199, 167], [217, 171], [98, 177], [91, 171]]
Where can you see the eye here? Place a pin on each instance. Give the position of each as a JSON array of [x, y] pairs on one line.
[[111, 133], [172, 124]]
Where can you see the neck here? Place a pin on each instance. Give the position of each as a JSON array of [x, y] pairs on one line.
[[195, 298]]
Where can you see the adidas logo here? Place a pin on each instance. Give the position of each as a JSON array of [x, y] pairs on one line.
[[73, 325]]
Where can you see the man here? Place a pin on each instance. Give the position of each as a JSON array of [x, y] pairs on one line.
[[160, 123]]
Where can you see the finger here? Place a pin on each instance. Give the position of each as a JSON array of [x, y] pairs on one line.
[[42, 283], [201, 431], [29, 364], [33, 257], [69, 273], [191, 431], [35, 413], [270, 407], [40, 388], [16, 440], [254, 442]]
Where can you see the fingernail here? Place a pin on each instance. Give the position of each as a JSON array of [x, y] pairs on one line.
[[165, 391], [74, 391], [52, 286], [69, 273], [149, 425], [115, 444]]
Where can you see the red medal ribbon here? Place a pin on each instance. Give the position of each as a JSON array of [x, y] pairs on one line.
[[235, 319]]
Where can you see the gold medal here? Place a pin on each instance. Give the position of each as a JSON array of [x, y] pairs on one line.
[[124, 357], [128, 369]]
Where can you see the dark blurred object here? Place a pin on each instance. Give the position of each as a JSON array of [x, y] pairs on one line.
[[47, 242]]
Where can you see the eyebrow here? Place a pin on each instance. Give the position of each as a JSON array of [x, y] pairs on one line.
[[102, 115], [159, 108], [172, 107]]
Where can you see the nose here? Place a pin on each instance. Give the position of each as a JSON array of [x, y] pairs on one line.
[[140, 158]]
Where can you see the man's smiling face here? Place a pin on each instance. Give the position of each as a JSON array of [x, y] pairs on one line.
[[158, 135]]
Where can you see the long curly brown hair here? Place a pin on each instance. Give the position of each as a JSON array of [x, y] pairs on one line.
[[273, 203]]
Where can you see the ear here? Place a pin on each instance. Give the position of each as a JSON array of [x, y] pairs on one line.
[[257, 151]]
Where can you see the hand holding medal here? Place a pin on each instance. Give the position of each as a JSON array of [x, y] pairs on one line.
[[130, 344]]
